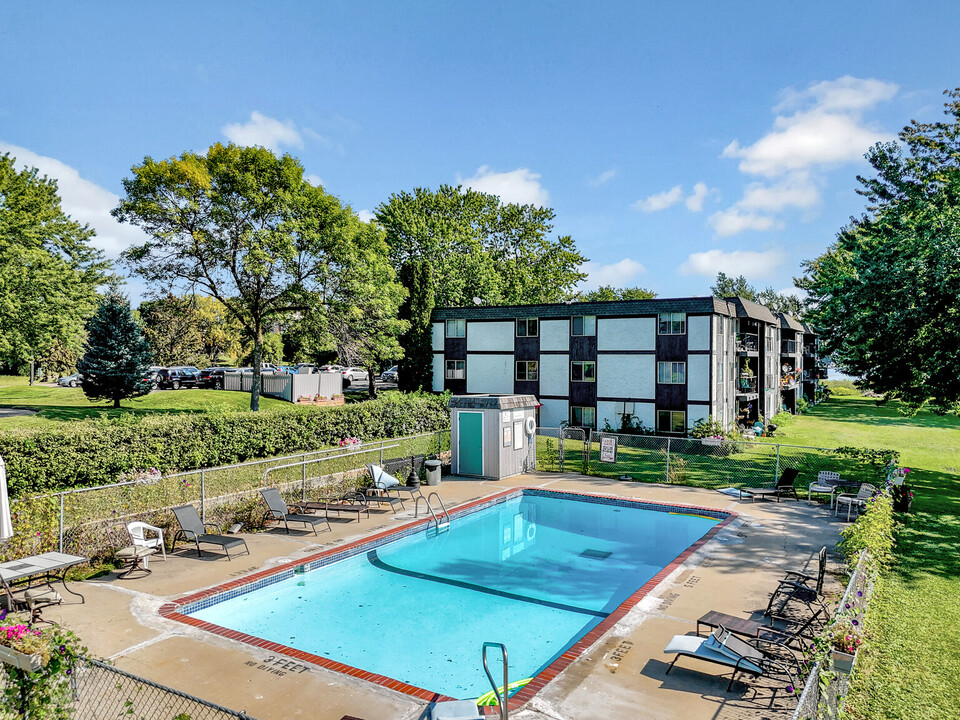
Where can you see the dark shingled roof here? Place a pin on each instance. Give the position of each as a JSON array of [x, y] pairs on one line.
[[750, 309], [789, 321], [694, 305]]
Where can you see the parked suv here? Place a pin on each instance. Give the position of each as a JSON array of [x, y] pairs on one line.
[[389, 375], [212, 377], [178, 377]]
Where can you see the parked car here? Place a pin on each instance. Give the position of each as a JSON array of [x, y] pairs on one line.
[[178, 377], [389, 375], [305, 368], [70, 380], [331, 368], [212, 377], [153, 374], [354, 374]]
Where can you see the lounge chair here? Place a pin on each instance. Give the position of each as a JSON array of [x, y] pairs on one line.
[[725, 648], [382, 480], [802, 587], [353, 501], [277, 510], [783, 487], [858, 500], [193, 528]]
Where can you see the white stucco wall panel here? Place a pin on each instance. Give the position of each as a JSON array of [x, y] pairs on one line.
[[555, 335], [631, 376], [491, 374], [438, 368], [698, 332], [555, 375], [437, 336], [698, 377], [490, 336], [626, 334], [554, 412]]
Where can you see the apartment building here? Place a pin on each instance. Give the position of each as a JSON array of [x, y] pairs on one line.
[[663, 363]]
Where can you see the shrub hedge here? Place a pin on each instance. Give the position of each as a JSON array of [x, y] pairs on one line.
[[95, 452]]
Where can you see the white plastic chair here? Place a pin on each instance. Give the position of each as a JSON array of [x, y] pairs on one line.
[[826, 482], [859, 500], [138, 534]]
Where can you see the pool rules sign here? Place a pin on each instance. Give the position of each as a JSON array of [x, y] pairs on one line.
[[608, 449]]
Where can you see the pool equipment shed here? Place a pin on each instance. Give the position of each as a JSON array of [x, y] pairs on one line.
[[493, 436]]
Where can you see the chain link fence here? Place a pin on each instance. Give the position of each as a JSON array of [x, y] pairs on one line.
[[825, 700], [708, 462], [99, 691], [92, 521]]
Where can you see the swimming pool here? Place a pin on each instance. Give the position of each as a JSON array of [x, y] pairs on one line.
[[540, 571]]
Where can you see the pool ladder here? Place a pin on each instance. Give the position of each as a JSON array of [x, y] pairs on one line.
[[442, 521], [501, 697]]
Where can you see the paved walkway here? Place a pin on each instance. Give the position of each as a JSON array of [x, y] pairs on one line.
[[620, 676]]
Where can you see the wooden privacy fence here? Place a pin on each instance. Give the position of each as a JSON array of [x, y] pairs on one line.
[[285, 386]]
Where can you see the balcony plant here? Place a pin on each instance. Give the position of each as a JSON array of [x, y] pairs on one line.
[[842, 640], [902, 496]]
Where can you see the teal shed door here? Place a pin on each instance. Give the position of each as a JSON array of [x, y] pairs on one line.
[[470, 443]]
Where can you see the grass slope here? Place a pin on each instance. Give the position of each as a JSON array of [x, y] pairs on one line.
[[59, 404], [913, 668]]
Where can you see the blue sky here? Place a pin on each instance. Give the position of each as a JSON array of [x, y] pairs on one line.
[[673, 140]]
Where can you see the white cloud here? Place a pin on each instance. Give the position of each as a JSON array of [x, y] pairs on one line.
[[519, 186], [737, 262], [265, 131], [795, 190], [660, 201], [314, 180], [83, 200], [701, 192], [826, 128], [602, 178], [365, 215], [619, 274], [733, 221]]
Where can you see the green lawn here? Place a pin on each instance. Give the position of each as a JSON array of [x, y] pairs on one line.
[[912, 669], [60, 404]]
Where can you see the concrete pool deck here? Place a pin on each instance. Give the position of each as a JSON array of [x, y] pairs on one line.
[[621, 676]]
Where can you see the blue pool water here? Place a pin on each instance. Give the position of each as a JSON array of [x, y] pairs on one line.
[[535, 573]]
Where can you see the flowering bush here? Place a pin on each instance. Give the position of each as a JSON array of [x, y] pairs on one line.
[[141, 477], [349, 442], [846, 635]]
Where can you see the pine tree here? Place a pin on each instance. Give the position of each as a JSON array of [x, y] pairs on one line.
[[415, 370], [117, 358]]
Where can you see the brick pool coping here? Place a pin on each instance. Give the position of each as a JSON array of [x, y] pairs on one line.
[[177, 609]]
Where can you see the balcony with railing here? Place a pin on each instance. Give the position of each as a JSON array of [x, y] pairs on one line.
[[810, 350], [790, 380], [788, 347], [747, 387], [748, 343]]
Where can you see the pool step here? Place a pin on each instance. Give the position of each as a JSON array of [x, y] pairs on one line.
[[456, 710]]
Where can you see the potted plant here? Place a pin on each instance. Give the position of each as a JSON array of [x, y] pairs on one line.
[[844, 638], [902, 496], [23, 647]]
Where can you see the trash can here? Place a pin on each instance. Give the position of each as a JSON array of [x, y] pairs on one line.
[[433, 471]]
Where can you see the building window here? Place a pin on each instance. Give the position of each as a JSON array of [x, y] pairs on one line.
[[671, 421], [527, 327], [528, 370], [583, 416], [673, 324], [456, 369], [671, 373], [583, 325], [719, 374], [457, 328], [583, 371]]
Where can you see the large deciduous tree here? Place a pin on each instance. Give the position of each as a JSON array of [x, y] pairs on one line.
[[607, 293], [415, 370], [245, 227], [727, 286], [190, 330], [886, 294], [49, 272], [479, 247], [117, 357]]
